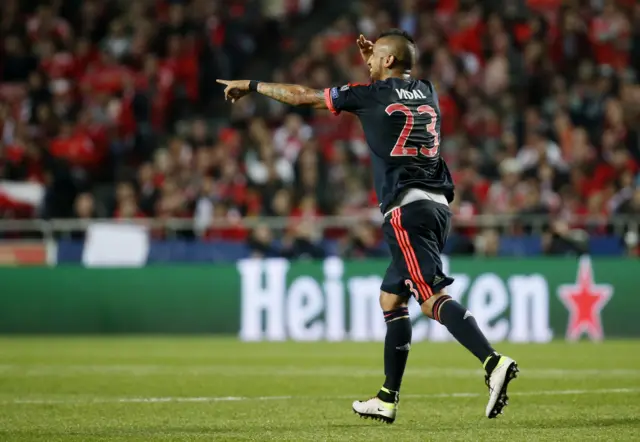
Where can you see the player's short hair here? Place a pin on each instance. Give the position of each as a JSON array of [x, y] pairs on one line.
[[405, 47], [397, 33]]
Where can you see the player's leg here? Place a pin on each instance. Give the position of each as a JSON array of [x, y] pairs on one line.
[[426, 239], [393, 302], [499, 369], [461, 324], [397, 344]]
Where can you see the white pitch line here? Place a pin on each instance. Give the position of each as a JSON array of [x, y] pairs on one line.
[[154, 400], [144, 400], [16, 370]]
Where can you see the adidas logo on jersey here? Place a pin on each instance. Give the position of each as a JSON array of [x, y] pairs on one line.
[[409, 95]]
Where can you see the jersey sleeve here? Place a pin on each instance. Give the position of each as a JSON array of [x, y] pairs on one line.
[[350, 98]]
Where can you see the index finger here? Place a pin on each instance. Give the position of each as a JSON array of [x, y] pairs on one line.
[[225, 82]]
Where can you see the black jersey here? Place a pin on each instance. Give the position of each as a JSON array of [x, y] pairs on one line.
[[401, 122]]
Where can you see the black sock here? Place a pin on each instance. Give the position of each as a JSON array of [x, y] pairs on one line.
[[463, 326], [396, 351]]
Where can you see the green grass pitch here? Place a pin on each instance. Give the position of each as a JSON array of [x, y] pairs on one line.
[[197, 388]]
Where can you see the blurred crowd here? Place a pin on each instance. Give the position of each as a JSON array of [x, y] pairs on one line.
[[112, 108]]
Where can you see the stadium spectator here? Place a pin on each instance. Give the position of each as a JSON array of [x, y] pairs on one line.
[[559, 239], [261, 243], [488, 243], [363, 243]]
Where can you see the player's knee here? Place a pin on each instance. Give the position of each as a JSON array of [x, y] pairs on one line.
[[389, 301], [427, 306]]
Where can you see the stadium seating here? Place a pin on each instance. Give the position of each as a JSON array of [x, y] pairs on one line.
[[110, 110]]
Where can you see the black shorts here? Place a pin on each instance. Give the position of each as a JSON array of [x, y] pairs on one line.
[[416, 234]]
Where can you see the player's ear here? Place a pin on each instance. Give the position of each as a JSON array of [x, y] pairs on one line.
[[389, 60]]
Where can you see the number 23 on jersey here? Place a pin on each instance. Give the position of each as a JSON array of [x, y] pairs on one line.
[[400, 150]]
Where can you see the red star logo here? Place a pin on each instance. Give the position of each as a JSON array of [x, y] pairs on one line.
[[585, 300]]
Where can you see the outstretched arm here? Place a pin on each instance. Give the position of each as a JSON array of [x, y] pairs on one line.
[[292, 94]]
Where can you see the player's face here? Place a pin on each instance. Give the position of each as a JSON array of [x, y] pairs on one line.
[[379, 60]]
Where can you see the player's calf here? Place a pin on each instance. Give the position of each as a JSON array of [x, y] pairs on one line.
[[460, 323], [397, 344]]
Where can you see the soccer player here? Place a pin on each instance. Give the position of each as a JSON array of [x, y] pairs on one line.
[[401, 120]]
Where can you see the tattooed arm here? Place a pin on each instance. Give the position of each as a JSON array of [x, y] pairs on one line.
[[292, 94]]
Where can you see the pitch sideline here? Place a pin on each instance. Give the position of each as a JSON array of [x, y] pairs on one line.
[[153, 400], [17, 370]]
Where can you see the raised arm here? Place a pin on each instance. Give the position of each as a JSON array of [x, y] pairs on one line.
[[292, 94]]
